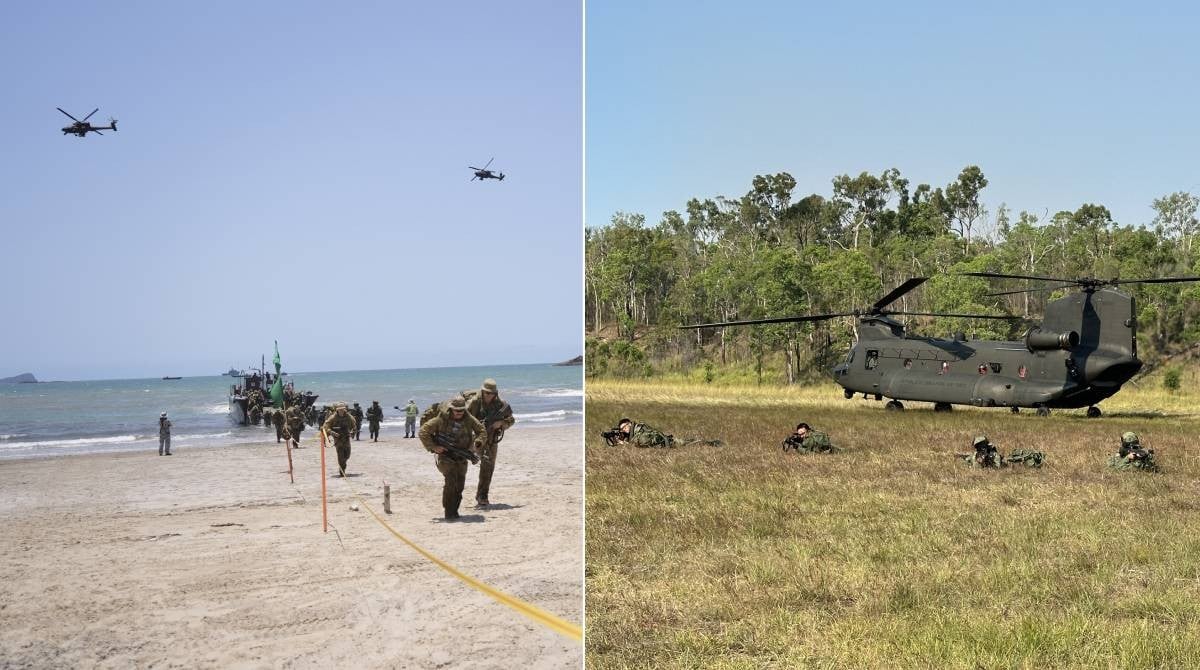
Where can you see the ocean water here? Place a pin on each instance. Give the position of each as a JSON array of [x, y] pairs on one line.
[[63, 418]]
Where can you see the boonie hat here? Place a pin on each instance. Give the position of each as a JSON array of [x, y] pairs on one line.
[[979, 439], [489, 386], [458, 404]]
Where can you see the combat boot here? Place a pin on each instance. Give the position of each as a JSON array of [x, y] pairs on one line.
[[451, 514]]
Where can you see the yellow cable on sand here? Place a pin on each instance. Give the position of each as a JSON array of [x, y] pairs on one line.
[[558, 625], [534, 612]]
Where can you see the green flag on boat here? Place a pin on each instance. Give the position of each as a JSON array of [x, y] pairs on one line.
[[277, 387]]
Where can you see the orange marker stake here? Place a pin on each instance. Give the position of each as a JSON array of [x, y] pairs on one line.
[[324, 508]]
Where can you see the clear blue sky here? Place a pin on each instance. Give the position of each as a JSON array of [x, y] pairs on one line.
[[1059, 104], [293, 171]]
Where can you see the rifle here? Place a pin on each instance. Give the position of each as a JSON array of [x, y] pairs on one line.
[[612, 437], [454, 451], [792, 441]]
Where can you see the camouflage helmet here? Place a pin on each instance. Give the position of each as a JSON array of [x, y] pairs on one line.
[[1129, 437], [489, 386], [979, 439], [458, 404]]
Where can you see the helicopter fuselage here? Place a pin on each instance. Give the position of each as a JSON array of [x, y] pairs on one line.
[[1083, 352]]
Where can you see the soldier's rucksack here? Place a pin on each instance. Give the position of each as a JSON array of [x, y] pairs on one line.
[[1030, 457], [436, 408]]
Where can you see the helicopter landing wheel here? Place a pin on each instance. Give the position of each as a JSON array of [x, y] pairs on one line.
[[1042, 410], [942, 407], [1016, 410], [894, 406], [1093, 412]]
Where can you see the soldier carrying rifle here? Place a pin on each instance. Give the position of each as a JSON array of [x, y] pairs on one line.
[[1132, 456], [449, 435]]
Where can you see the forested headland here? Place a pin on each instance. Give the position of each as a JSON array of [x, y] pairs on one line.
[[770, 253]]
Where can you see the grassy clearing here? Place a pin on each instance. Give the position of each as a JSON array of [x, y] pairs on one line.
[[890, 554]]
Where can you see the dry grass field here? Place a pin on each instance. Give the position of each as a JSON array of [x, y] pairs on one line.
[[892, 553]]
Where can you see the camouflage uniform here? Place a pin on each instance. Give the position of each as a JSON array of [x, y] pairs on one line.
[[279, 420], [295, 424], [489, 413], [642, 436], [815, 442], [374, 416], [357, 413], [164, 435], [985, 454], [1132, 456], [462, 433], [340, 425]]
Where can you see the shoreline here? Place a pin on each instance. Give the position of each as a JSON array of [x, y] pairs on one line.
[[213, 441], [212, 558]]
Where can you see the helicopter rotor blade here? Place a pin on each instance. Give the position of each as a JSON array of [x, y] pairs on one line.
[[1160, 280], [781, 319], [68, 115], [900, 290], [959, 316], [1033, 290], [90, 115], [96, 130], [489, 162], [1000, 275]]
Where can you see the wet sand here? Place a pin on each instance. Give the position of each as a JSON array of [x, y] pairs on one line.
[[212, 558]]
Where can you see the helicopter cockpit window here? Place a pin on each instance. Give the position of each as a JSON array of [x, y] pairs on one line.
[[872, 358]]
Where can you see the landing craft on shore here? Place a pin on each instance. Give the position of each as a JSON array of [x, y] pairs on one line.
[[1083, 351]]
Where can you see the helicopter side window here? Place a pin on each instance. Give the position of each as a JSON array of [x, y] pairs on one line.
[[996, 367], [945, 368], [908, 364], [872, 358], [1022, 372], [982, 369]]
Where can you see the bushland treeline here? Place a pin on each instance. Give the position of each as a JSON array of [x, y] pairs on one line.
[[768, 253]]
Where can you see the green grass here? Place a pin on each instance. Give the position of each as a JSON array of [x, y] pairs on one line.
[[891, 553]]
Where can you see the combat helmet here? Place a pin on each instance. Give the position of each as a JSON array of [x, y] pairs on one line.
[[1129, 437], [980, 440]]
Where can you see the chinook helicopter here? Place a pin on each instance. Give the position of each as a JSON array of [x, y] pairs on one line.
[[82, 128], [484, 173], [1083, 351]]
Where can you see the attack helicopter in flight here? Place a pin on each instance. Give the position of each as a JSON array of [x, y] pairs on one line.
[[484, 173], [82, 128], [1082, 352]]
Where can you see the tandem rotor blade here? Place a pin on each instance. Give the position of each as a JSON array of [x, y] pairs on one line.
[[781, 319], [68, 115], [999, 275], [1034, 290], [958, 316], [1161, 280], [90, 115], [898, 291]]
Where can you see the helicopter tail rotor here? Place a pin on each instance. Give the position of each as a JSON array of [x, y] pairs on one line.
[[501, 176], [113, 123]]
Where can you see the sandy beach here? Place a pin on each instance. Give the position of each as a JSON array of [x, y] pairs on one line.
[[212, 558]]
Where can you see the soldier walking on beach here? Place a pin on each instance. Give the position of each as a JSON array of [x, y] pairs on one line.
[[164, 435], [295, 424], [357, 413], [278, 418], [374, 416], [411, 411], [457, 428], [496, 417], [340, 426]]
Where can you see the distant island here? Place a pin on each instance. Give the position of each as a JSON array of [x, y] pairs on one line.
[[24, 378], [578, 360]]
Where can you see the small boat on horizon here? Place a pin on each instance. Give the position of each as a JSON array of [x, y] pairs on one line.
[[172, 377]]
